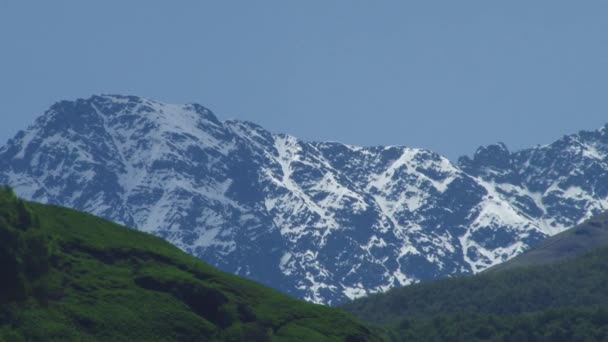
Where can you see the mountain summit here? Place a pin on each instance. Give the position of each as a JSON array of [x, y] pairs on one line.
[[320, 221]]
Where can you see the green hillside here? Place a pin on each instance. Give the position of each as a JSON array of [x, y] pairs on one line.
[[556, 294], [72, 276]]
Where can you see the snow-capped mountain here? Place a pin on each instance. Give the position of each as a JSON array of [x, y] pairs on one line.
[[321, 221]]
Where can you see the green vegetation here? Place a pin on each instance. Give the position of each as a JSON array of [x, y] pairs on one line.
[[72, 276], [566, 324], [24, 251], [555, 293]]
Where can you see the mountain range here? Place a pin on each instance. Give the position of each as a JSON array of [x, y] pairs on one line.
[[322, 221]]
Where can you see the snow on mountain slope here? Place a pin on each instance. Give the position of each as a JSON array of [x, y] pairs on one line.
[[321, 221]]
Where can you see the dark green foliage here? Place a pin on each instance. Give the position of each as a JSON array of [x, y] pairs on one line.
[[567, 324], [24, 250], [71, 276]]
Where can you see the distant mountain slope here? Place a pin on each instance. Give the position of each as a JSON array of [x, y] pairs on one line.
[[71, 276], [321, 221], [575, 278], [555, 292], [584, 238]]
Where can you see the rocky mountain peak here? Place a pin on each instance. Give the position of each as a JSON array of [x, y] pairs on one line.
[[491, 157]]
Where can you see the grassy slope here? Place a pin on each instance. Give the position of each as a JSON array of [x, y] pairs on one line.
[[111, 283], [557, 293]]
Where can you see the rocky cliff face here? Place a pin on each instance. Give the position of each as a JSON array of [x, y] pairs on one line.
[[320, 221]]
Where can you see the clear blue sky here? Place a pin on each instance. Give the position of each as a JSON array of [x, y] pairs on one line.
[[443, 75]]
